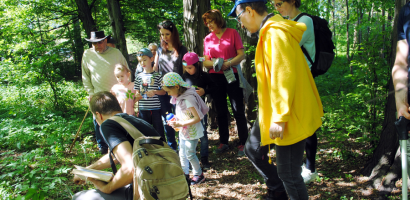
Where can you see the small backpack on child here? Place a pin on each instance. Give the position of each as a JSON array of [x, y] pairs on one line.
[[158, 173], [324, 46]]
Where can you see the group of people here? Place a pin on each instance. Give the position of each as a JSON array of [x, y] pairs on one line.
[[171, 80]]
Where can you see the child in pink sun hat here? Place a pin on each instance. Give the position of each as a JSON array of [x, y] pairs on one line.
[[204, 86]]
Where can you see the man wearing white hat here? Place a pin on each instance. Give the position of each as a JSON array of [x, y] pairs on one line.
[[97, 68]]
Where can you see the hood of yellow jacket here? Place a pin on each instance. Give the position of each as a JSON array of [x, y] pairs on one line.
[[296, 29]]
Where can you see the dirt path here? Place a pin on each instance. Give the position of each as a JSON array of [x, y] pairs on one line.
[[231, 177]]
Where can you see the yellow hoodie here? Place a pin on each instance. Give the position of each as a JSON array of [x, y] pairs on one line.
[[286, 89]]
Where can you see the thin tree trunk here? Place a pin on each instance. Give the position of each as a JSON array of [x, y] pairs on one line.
[[360, 32], [334, 20], [117, 24], [384, 36], [348, 37], [78, 48]]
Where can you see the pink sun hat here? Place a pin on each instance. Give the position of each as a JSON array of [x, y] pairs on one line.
[[190, 58]]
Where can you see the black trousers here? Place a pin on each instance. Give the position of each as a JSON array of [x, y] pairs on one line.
[[235, 94]]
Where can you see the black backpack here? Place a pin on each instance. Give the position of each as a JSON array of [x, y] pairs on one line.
[[324, 46]]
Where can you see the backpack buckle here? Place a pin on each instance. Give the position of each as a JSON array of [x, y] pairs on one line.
[[148, 169]]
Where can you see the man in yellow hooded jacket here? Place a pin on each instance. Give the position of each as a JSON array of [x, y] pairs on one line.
[[290, 108]]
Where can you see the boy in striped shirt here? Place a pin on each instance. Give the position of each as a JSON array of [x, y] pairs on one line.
[[148, 86]]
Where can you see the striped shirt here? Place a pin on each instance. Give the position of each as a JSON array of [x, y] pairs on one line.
[[145, 82]]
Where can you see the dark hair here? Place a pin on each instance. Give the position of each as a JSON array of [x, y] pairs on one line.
[[181, 89], [176, 42], [259, 7], [297, 3], [198, 70], [104, 103], [216, 16]]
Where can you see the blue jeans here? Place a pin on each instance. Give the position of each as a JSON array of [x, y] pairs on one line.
[[167, 107], [204, 139], [187, 154], [153, 117], [100, 140], [287, 173]]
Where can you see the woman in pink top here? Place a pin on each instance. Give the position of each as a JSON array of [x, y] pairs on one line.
[[225, 43]]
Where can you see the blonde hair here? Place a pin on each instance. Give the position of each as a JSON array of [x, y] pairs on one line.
[[120, 68]]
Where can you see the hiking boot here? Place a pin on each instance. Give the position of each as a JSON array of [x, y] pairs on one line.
[[205, 163], [222, 148], [307, 175], [241, 152], [275, 195], [198, 179]]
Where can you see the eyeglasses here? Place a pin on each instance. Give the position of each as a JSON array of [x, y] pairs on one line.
[[209, 22], [237, 17], [279, 4]]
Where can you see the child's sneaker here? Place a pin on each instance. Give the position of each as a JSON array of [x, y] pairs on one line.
[[221, 148], [307, 175], [198, 179]]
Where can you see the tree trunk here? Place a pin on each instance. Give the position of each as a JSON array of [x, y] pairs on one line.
[[78, 47], [334, 21], [385, 154], [359, 37], [84, 12], [194, 28], [348, 37], [117, 25], [249, 40]]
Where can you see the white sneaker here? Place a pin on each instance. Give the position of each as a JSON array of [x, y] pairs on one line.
[[307, 175]]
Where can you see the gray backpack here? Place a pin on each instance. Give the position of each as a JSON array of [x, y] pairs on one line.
[[157, 168]]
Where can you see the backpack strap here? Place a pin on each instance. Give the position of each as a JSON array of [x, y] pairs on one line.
[[303, 48], [300, 15], [134, 132], [307, 55], [151, 141]]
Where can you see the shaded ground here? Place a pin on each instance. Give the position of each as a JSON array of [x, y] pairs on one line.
[[231, 177]]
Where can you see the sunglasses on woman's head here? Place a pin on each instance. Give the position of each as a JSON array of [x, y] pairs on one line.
[[166, 24]]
